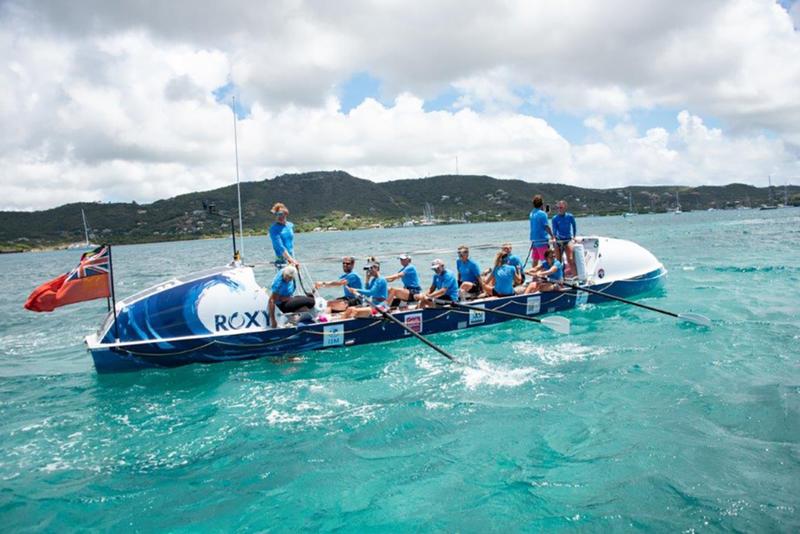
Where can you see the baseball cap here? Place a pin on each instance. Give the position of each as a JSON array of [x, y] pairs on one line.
[[437, 263], [403, 257]]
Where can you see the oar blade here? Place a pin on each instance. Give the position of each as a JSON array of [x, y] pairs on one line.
[[559, 324], [696, 318]]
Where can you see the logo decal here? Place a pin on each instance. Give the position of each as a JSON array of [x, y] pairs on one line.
[[414, 322], [333, 336], [533, 305], [476, 316], [236, 321]]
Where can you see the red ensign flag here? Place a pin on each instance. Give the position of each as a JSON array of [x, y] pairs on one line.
[[87, 281]]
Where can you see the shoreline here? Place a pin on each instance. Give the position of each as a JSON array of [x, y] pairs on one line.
[[65, 246]]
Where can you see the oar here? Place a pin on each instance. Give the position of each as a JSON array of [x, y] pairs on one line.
[[559, 324], [530, 250], [417, 335], [695, 318]]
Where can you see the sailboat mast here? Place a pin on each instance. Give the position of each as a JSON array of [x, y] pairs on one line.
[[238, 187], [85, 227], [769, 180]]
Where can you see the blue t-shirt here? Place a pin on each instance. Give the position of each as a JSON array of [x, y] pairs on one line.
[[539, 236], [504, 279], [281, 287], [377, 289], [559, 274], [515, 262], [564, 226], [446, 281], [353, 281], [468, 271], [410, 277], [282, 236]]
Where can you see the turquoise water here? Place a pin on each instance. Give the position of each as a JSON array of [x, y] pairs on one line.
[[632, 422]]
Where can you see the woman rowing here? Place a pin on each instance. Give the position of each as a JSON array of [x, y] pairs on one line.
[[469, 274], [377, 290], [503, 277], [283, 297], [550, 274]]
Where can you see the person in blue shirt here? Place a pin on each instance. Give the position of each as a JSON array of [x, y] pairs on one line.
[[540, 233], [281, 233], [283, 297], [347, 279], [377, 291], [411, 284], [469, 274], [550, 274], [444, 286], [512, 260], [502, 278], [565, 230]]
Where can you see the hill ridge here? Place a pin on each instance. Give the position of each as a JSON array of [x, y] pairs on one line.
[[337, 199]]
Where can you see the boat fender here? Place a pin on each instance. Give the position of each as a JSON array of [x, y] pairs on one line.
[[579, 256], [320, 304]]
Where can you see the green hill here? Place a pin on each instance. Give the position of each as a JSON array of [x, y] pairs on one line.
[[339, 200]]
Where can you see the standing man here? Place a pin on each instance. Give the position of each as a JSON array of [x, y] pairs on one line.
[[539, 231], [281, 233], [347, 279], [565, 230], [411, 284]]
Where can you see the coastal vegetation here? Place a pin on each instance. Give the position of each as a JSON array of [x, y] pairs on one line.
[[325, 201]]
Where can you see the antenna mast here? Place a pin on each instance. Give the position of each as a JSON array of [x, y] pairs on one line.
[[238, 187]]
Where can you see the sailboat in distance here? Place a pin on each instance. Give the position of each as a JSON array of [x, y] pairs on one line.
[[677, 210], [86, 244], [771, 204], [630, 212]]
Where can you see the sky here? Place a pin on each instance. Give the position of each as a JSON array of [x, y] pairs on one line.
[[123, 101]]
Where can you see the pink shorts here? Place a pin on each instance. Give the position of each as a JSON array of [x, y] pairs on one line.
[[537, 253]]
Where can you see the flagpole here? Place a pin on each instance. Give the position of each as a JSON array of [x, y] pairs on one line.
[[113, 297]]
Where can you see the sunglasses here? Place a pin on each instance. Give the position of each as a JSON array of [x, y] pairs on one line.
[[280, 213]]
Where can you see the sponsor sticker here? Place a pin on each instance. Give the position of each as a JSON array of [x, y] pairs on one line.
[[333, 335], [533, 305], [477, 316], [414, 322]]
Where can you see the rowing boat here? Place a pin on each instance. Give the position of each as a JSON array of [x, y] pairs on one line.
[[221, 315]]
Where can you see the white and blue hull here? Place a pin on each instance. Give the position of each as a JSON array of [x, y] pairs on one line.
[[221, 315]]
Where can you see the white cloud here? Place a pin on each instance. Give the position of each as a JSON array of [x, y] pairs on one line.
[[114, 101]]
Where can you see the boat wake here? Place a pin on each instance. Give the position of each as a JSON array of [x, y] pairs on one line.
[[559, 353], [483, 373]]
